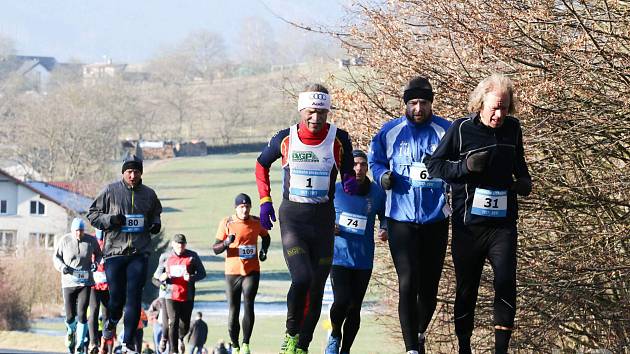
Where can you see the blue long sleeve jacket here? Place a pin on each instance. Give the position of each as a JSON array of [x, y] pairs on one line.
[[401, 147]]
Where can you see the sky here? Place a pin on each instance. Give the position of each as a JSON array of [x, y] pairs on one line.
[[133, 31]]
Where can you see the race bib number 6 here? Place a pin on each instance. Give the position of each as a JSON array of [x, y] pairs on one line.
[[352, 223], [133, 223], [490, 203]]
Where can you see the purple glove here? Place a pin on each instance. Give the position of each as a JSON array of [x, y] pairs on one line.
[[350, 184], [267, 215]]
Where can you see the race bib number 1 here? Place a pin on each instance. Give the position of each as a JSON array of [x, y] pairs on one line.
[[133, 223], [352, 223], [247, 251], [490, 203], [309, 183]]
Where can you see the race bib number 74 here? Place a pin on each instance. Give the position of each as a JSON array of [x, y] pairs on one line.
[[352, 223]]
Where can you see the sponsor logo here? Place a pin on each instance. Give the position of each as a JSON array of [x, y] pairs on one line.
[[304, 156], [319, 96]]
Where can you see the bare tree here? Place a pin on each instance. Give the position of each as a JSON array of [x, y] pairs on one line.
[[571, 64]]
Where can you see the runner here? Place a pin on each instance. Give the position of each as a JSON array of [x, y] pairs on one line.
[[483, 159], [99, 296], [354, 253], [159, 320], [312, 153], [238, 234], [197, 335], [74, 257], [128, 212], [416, 207], [179, 269]]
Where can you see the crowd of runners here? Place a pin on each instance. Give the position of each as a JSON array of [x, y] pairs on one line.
[[418, 162]]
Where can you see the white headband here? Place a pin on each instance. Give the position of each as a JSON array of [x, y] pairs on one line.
[[317, 100]]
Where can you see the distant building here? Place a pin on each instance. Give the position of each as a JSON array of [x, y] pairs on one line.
[[34, 69], [35, 214], [98, 72]]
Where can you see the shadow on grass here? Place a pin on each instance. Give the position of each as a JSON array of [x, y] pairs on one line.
[[208, 185], [170, 210], [275, 275], [201, 292], [211, 258]]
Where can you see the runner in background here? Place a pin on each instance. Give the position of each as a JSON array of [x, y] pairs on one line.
[[238, 235], [354, 253], [179, 269], [99, 298], [75, 258]]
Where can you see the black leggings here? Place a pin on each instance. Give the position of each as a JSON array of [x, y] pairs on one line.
[[307, 232], [248, 285], [179, 313], [418, 252], [98, 300], [76, 300], [349, 286], [471, 246], [164, 318]]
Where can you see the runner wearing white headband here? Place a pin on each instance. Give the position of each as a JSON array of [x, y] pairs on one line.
[[315, 100]]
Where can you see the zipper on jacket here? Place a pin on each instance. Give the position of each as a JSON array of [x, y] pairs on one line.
[[132, 207]]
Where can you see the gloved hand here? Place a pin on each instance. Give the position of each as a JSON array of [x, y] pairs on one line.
[[155, 228], [387, 181], [93, 267], [522, 186], [67, 270], [267, 215], [262, 255], [477, 162], [350, 184], [117, 220], [228, 241]]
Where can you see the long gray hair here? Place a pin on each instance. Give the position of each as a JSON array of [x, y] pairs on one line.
[[493, 83]]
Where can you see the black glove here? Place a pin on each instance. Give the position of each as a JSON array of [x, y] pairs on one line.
[[229, 240], [477, 162], [522, 186], [262, 255], [387, 181], [117, 220], [155, 228], [67, 270]]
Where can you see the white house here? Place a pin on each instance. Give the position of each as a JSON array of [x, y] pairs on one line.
[[34, 214]]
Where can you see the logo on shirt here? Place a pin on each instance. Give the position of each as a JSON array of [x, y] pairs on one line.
[[304, 156]]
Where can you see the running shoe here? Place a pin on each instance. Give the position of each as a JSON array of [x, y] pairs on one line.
[[289, 344], [333, 345], [163, 343], [70, 341], [246, 349], [236, 350], [301, 351]]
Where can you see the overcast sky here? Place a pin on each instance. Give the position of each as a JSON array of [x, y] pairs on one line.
[[134, 30]]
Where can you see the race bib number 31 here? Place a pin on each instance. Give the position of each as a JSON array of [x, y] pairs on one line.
[[420, 177], [133, 223], [247, 251], [490, 203], [352, 223]]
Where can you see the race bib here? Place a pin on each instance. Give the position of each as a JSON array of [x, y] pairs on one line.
[[100, 278], [352, 223], [81, 276], [420, 177], [177, 271], [133, 223], [247, 251], [490, 203], [309, 183]]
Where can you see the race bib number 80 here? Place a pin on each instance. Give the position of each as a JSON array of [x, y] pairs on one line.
[[490, 203], [133, 223], [352, 223]]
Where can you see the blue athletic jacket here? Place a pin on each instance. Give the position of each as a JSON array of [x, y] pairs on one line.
[[354, 249], [399, 146]]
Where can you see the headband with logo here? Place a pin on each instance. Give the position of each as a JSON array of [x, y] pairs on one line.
[[317, 100]]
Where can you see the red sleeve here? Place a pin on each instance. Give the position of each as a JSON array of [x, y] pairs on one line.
[[262, 181]]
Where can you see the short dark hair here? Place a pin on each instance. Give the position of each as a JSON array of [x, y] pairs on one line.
[[199, 314], [315, 87]]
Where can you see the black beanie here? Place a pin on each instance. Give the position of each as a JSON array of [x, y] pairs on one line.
[[242, 198], [132, 162], [418, 87]]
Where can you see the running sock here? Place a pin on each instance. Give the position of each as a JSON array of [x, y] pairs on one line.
[[501, 340], [464, 345]]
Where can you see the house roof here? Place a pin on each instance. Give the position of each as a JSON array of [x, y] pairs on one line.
[[47, 62], [72, 201]]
